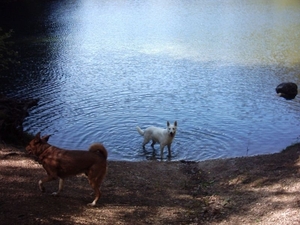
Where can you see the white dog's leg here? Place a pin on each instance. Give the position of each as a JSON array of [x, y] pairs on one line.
[[153, 143], [161, 151], [60, 187], [146, 141], [169, 150]]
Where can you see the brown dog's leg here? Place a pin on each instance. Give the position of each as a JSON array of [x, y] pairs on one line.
[[60, 187], [95, 179], [96, 188], [44, 180]]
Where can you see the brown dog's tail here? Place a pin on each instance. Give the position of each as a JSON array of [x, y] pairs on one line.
[[99, 149]]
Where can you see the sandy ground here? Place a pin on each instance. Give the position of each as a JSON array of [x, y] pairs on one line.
[[250, 190]]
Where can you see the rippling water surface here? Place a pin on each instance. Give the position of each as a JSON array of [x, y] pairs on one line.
[[100, 68]]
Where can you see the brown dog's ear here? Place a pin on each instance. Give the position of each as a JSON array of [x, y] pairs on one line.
[[46, 138], [38, 135], [37, 138]]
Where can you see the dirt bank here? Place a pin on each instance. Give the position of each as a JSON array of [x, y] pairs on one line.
[[252, 190]]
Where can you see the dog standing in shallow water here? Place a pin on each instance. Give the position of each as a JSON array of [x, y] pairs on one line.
[[159, 135], [60, 163]]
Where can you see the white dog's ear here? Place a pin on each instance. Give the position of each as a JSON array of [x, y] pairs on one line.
[[175, 123], [168, 124]]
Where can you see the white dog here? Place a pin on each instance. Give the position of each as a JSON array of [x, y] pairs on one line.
[[159, 135]]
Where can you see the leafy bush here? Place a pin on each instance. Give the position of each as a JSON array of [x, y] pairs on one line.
[[8, 56]]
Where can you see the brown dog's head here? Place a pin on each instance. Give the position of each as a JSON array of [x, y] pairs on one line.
[[37, 145]]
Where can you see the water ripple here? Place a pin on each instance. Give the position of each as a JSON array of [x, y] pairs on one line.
[[100, 69]]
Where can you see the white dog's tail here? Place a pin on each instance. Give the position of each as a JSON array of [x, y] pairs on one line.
[[141, 132]]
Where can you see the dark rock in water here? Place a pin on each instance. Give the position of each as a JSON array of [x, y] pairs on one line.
[[287, 90]]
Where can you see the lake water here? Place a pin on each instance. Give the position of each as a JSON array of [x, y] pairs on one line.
[[100, 68]]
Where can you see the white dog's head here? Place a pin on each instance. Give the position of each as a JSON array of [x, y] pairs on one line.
[[172, 128]]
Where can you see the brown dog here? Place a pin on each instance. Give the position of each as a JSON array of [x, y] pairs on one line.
[[60, 163]]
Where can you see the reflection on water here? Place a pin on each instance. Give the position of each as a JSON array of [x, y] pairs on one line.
[[101, 68], [256, 33]]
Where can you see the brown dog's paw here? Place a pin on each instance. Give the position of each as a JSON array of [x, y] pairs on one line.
[[41, 186], [42, 189], [91, 204], [55, 194]]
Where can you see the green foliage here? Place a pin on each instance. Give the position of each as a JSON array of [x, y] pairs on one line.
[[8, 56]]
